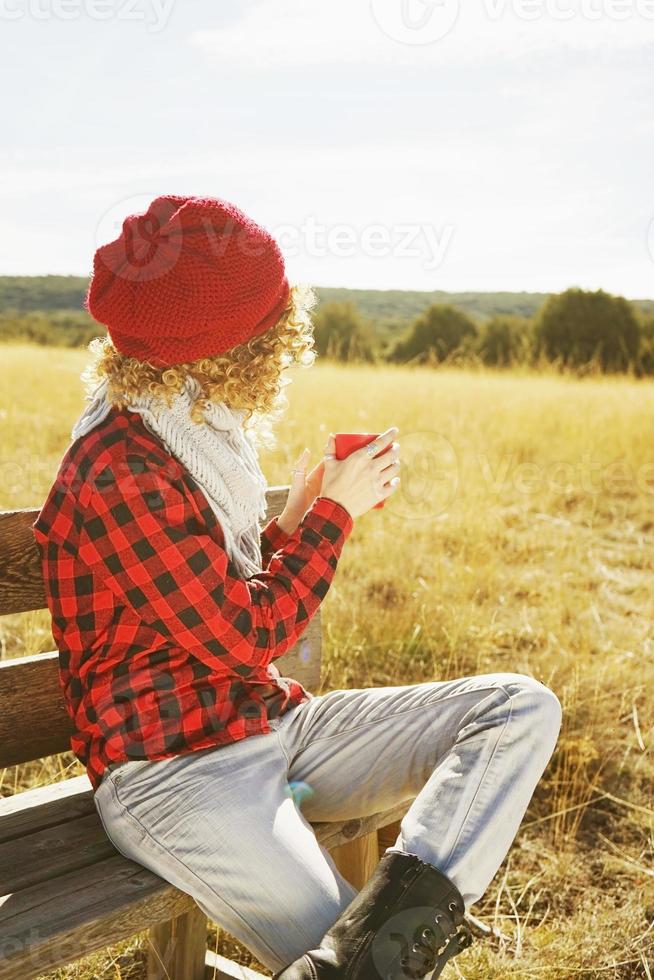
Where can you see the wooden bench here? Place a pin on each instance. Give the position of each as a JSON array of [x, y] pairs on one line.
[[65, 891]]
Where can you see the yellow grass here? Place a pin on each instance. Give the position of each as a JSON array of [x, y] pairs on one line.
[[521, 539]]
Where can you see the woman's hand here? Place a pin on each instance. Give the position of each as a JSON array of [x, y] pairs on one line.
[[361, 480], [305, 487]]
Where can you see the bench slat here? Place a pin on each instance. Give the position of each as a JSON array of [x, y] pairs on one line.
[[34, 722], [65, 811], [45, 806], [178, 948], [21, 582], [332, 835], [77, 842], [48, 925], [53, 851]]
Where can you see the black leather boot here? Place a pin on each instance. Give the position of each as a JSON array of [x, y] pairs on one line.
[[406, 922]]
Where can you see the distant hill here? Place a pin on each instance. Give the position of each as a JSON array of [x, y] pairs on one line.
[[392, 309], [26, 294], [389, 309], [399, 304]]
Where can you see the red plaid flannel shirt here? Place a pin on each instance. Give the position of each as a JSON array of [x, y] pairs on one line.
[[163, 648]]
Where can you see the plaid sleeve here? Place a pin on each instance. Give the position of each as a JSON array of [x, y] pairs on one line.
[[272, 539], [141, 534]]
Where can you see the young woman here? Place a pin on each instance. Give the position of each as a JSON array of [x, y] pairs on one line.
[[170, 603]]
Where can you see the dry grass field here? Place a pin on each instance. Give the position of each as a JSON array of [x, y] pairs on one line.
[[522, 539]]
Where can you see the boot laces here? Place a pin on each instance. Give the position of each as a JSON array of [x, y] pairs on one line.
[[429, 951]]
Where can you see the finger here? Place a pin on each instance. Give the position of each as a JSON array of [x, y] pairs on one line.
[[330, 445], [300, 466], [390, 487], [386, 472], [379, 443], [388, 459], [317, 471]]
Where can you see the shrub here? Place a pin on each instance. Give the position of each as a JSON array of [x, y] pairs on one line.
[[505, 340], [579, 328], [437, 334], [342, 334]]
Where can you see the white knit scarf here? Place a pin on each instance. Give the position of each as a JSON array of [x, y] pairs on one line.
[[218, 453]]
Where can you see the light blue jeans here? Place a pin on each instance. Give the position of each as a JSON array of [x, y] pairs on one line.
[[221, 826]]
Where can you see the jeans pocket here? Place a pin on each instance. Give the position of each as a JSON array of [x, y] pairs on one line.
[[116, 776]]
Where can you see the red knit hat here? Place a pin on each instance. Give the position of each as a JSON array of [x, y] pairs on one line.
[[192, 277]]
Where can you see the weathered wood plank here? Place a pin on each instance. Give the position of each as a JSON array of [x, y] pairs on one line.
[[64, 811], [34, 722], [177, 948], [357, 859], [386, 836], [53, 923], [45, 806], [21, 582], [333, 834], [57, 850]]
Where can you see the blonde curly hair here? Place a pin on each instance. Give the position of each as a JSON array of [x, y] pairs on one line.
[[249, 376]]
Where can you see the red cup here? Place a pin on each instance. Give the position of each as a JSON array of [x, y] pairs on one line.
[[346, 443]]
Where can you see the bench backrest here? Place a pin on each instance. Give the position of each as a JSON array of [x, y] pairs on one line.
[[34, 722]]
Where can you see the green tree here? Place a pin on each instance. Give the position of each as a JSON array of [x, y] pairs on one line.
[[342, 334], [579, 327], [645, 360], [504, 340], [437, 333]]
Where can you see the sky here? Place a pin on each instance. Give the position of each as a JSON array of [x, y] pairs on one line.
[[388, 144]]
